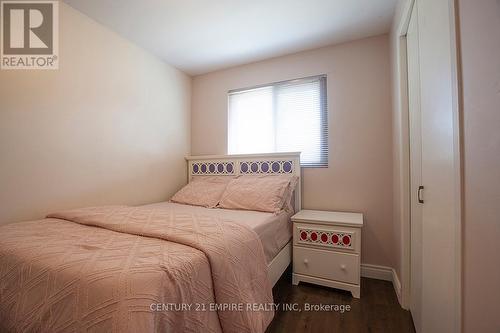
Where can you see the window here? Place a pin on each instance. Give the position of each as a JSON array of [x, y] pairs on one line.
[[281, 117]]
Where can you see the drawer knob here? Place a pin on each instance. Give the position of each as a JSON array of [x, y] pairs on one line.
[[343, 267], [306, 261]]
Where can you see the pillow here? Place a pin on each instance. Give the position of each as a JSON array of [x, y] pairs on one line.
[[289, 205], [261, 193], [203, 191]]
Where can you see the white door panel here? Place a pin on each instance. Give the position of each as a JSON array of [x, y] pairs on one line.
[[415, 170], [434, 163]]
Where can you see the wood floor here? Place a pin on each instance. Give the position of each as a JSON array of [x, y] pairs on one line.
[[377, 310]]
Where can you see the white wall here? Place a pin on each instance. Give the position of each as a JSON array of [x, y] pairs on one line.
[[111, 126], [480, 50], [359, 176]]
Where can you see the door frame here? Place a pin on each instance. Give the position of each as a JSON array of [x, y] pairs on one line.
[[402, 107]]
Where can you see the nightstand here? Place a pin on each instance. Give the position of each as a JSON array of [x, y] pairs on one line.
[[327, 249]]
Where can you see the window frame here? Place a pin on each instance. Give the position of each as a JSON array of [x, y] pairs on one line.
[[322, 78]]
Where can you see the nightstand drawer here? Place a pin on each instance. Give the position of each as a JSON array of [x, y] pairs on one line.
[[330, 265], [327, 237]]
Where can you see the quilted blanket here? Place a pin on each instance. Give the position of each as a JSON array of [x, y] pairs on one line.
[[132, 269]]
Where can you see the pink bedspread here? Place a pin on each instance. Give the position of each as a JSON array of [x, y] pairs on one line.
[[274, 230], [56, 275]]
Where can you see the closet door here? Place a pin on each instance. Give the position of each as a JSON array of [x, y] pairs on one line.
[[434, 168], [415, 170]]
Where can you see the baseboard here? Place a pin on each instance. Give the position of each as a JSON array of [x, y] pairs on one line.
[[382, 273], [397, 285], [376, 272]]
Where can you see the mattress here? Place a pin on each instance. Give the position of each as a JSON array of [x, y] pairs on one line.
[[274, 230]]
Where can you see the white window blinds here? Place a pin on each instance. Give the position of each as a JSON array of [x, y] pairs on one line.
[[281, 117]]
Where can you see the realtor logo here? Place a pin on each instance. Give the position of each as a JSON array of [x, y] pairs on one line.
[[29, 34]]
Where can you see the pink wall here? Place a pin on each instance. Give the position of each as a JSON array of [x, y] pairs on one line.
[[359, 177], [400, 138], [111, 126], [480, 50]]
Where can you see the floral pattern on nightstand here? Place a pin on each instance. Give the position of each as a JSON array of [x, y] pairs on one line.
[[343, 240]]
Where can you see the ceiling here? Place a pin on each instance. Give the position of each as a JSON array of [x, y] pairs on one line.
[[200, 36]]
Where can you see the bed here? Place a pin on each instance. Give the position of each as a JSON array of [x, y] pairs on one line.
[[163, 267]]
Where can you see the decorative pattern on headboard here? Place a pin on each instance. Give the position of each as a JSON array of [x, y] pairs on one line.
[[212, 168], [253, 164], [266, 167]]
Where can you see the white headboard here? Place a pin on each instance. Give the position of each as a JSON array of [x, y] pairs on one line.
[[251, 164]]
